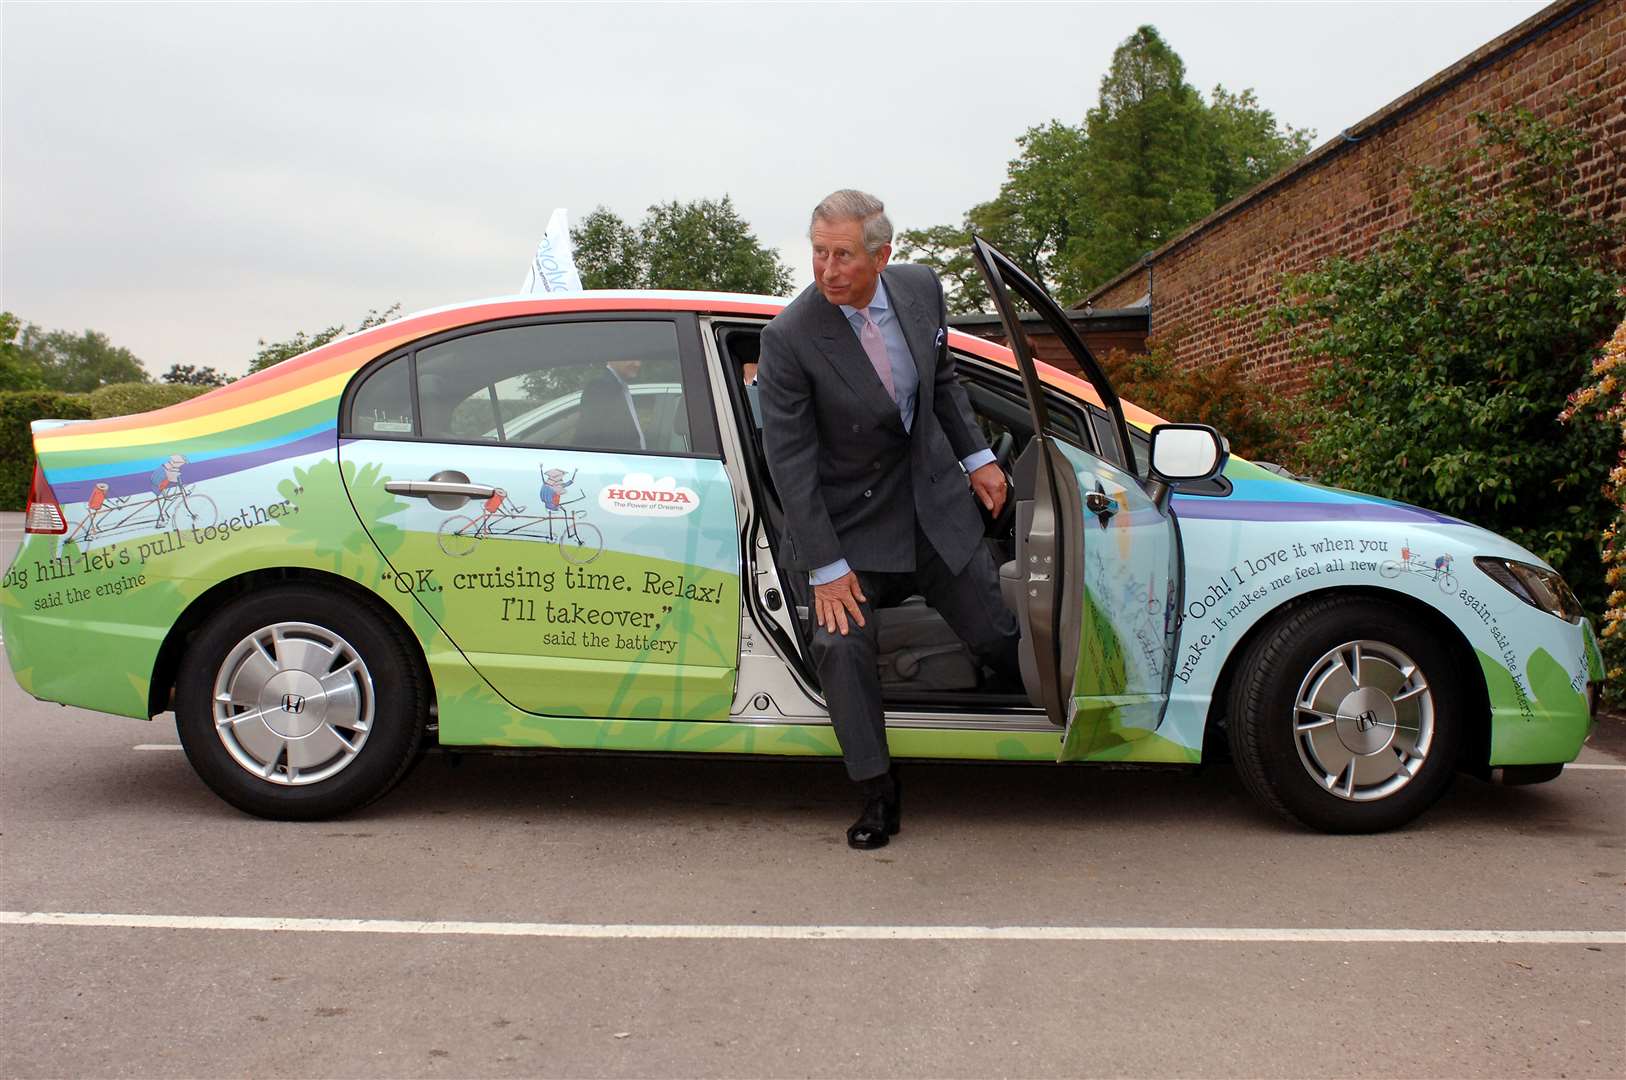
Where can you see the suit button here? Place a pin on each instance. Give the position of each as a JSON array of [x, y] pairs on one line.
[[855, 427], [868, 493]]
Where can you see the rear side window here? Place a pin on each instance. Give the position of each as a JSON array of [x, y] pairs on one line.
[[383, 403], [596, 385]]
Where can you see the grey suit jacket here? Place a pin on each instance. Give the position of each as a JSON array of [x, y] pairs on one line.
[[854, 483], [606, 419]]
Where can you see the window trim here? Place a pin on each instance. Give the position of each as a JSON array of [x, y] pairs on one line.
[[996, 379], [701, 410], [1216, 487]]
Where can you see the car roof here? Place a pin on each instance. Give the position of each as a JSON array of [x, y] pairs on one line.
[[290, 397], [749, 304]]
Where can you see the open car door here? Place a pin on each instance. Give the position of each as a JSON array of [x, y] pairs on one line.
[[1097, 558]]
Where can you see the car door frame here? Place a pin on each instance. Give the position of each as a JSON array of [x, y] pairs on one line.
[[704, 438], [1045, 584], [693, 369]]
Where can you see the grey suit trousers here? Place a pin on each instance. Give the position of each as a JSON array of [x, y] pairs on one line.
[[970, 602]]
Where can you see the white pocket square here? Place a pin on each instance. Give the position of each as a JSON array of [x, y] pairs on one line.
[[942, 334]]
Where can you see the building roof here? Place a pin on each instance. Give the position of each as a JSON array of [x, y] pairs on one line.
[[1129, 318]]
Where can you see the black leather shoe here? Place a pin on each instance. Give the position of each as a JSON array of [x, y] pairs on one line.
[[870, 830], [879, 822]]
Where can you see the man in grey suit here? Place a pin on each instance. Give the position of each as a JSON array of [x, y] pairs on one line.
[[608, 418], [871, 443]]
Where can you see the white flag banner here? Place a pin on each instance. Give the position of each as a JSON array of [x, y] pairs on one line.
[[553, 267]]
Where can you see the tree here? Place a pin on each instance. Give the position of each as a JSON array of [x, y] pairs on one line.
[[947, 250], [275, 352], [1246, 144], [77, 362], [1037, 212], [1222, 394], [1081, 203], [1146, 166], [1445, 356], [703, 244], [607, 251], [191, 375], [17, 371]]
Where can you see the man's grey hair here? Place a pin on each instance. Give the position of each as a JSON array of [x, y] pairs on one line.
[[849, 204]]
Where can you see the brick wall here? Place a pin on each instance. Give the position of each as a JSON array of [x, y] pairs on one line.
[[1347, 194]]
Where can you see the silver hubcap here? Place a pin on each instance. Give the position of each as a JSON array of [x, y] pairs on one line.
[[293, 703], [1364, 720]]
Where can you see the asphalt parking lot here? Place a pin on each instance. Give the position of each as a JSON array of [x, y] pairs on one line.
[[615, 916]]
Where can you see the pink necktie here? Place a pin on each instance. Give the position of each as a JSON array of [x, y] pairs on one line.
[[870, 338]]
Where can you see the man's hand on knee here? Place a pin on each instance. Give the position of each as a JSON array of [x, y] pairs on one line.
[[835, 600]]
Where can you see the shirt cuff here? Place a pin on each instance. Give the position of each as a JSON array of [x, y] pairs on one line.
[[976, 461], [826, 574]]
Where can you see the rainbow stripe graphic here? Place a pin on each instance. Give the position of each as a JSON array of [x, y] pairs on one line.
[[289, 410], [292, 409], [282, 412]]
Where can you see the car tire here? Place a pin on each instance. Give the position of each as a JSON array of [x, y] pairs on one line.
[[1347, 716], [300, 703]]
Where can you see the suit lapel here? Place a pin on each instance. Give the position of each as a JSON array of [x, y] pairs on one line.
[[836, 340], [919, 332]]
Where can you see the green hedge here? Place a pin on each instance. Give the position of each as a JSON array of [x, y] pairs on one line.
[[19, 408], [126, 399]]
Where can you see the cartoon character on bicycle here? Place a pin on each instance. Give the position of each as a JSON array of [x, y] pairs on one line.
[[162, 478], [492, 507], [172, 503], [554, 486], [1412, 562], [579, 541]]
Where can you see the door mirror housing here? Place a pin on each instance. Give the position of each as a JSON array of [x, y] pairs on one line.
[[1186, 452]]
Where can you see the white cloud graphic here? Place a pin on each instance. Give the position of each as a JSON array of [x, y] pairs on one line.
[[643, 495]]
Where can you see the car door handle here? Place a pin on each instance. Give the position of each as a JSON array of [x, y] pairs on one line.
[[1097, 503], [423, 489]]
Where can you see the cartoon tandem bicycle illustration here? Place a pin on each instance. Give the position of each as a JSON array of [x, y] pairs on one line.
[[580, 541], [1439, 571], [172, 504]]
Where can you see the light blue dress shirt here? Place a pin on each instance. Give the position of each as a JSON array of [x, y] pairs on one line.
[[906, 387]]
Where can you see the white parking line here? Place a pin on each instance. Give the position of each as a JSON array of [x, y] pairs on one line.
[[750, 932], [156, 746]]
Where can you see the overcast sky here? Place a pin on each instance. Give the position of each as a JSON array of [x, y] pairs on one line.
[[188, 179]]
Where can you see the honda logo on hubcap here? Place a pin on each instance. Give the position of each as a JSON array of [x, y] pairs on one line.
[[1366, 721], [293, 703]]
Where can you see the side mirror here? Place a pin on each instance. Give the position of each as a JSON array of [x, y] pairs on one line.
[[1186, 452]]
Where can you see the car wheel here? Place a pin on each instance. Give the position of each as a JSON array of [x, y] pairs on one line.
[[1346, 716], [299, 703]]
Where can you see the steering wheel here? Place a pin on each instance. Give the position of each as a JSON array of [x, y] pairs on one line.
[[1004, 449]]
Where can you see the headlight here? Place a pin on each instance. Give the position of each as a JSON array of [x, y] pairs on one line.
[[1535, 586]]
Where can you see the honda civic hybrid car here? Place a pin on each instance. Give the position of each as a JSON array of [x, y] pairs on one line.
[[442, 531]]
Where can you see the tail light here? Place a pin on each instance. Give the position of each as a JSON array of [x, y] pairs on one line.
[[44, 513]]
